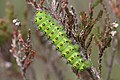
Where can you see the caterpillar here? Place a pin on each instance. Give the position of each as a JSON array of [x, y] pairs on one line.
[[56, 33]]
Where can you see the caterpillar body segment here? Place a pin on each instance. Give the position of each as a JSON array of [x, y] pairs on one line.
[[50, 27], [79, 65], [54, 33], [63, 44], [74, 57], [68, 51], [59, 37]]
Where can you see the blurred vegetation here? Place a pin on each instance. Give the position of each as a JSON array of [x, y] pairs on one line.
[[47, 65]]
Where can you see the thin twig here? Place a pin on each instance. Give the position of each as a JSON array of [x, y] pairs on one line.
[[113, 50]]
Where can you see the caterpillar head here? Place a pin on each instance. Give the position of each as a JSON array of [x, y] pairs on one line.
[[41, 17], [42, 14]]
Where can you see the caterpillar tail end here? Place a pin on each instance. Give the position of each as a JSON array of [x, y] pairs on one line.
[[86, 66]]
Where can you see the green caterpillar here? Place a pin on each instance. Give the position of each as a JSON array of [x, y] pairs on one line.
[[57, 35]]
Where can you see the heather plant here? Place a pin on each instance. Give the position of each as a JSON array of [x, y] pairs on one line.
[[24, 42]]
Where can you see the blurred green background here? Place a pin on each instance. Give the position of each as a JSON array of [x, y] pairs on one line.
[[40, 67]]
